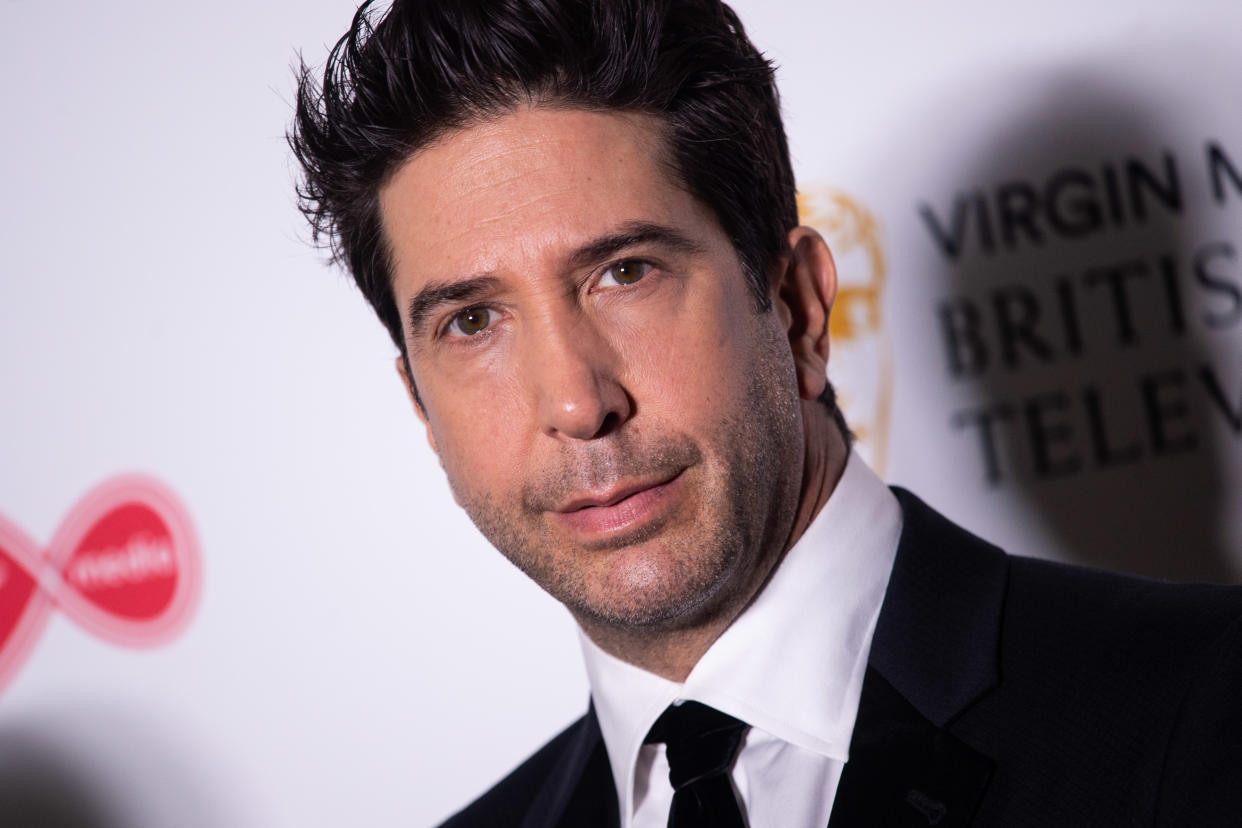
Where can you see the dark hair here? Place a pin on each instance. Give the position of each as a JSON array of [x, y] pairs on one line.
[[397, 81]]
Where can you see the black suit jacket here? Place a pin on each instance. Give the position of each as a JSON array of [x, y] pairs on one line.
[[1000, 691]]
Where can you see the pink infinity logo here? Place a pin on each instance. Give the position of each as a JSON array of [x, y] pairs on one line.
[[124, 565]]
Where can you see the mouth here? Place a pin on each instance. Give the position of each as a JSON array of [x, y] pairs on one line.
[[628, 506]]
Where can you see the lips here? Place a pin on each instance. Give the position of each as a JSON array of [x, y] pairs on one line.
[[628, 506]]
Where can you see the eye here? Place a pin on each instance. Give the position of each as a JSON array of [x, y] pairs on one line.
[[625, 272], [470, 321]]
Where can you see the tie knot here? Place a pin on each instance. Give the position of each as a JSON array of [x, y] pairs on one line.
[[700, 741]]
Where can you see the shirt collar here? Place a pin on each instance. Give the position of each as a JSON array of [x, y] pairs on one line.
[[820, 607]]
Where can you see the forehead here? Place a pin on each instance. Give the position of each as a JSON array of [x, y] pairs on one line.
[[526, 183]]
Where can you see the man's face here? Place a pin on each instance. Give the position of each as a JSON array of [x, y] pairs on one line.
[[606, 403]]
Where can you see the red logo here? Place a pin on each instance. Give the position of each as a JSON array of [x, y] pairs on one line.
[[123, 565]]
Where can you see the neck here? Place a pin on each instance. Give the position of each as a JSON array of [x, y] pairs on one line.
[[672, 654]]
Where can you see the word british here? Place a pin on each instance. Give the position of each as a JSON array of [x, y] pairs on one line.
[[1118, 305]]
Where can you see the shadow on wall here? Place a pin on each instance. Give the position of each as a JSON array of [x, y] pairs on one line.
[[39, 789], [98, 770], [1084, 279]]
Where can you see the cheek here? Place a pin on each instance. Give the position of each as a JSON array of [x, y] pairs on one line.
[[476, 433], [691, 366]]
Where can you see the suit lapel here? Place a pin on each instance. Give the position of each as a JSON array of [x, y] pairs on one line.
[[903, 770], [935, 651], [578, 790]]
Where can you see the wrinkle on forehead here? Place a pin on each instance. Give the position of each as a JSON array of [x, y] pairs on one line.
[[517, 166]]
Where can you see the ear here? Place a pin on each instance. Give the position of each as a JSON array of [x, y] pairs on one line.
[[415, 402], [805, 291]]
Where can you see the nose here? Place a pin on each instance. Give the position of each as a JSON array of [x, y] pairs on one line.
[[575, 377]]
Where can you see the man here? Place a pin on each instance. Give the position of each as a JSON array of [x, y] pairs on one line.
[[577, 221]]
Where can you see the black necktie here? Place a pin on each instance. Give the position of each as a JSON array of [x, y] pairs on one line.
[[701, 744]]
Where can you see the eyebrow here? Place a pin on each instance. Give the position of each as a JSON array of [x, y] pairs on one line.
[[443, 293], [630, 234]]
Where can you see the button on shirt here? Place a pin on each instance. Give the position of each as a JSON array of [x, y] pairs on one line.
[[791, 666]]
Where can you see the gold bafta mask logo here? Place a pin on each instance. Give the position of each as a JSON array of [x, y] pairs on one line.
[[861, 362]]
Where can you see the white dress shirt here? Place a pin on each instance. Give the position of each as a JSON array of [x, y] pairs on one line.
[[791, 666]]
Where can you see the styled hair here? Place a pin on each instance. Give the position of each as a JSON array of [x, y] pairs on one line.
[[399, 80]]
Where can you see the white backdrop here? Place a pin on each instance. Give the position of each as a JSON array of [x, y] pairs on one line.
[[161, 311]]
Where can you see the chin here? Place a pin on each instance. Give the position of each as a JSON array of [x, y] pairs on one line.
[[654, 590]]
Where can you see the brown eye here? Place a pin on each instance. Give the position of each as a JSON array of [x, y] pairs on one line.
[[626, 271], [472, 321]]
